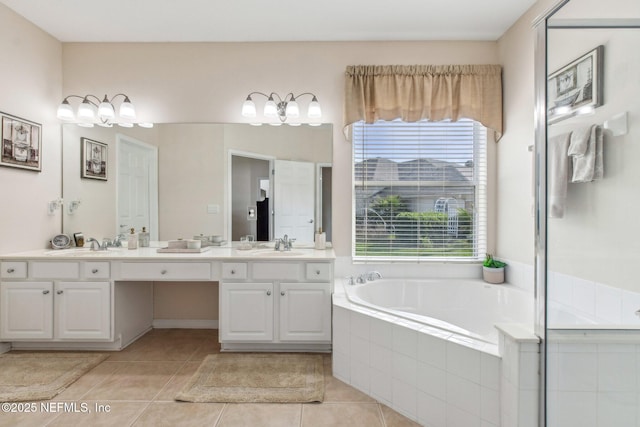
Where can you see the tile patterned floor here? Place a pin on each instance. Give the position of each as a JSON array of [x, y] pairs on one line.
[[138, 385]]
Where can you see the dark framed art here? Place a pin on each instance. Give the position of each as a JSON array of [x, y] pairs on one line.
[[576, 87], [21, 143], [94, 159]]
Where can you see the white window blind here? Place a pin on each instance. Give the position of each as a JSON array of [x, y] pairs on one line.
[[420, 190]]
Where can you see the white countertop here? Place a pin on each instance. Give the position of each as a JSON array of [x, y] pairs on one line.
[[261, 252]]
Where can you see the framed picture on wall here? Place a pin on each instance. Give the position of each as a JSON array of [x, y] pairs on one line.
[[94, 159], [21, 143], [576, 88]]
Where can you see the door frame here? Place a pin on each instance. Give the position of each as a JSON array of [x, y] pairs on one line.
[[152, 151], [228, 212]]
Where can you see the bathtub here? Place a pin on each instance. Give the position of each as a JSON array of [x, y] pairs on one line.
[[429, 348], [465, 307]]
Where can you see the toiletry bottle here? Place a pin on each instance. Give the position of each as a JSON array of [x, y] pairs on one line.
[[132, 240], [143, 238], [321, 240]]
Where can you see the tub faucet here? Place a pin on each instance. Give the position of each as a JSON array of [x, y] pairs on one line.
[[373, 275], [362, 278]]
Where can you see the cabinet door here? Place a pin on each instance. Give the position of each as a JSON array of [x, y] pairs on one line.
[[26, 310], [82, 310], [305, 312], [246, 311]]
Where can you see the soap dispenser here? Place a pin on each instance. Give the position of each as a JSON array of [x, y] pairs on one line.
[[132, 241], [143, 238]]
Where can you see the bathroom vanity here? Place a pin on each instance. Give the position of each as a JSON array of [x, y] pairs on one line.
[[82, 299]]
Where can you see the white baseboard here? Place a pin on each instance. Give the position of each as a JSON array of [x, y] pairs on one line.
[[4, 347], [184, 324]]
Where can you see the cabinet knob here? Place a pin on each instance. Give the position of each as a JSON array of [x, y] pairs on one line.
[[59, 292], [163, 272], [94, 271], [233, 272], [11, 270], [317, 272], [282, 293], [268, 292], [45, 292]]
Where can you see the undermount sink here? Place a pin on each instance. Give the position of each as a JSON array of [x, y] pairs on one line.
[[83, 252]]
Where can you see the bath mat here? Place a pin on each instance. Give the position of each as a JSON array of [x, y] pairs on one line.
[[248, 377], [40, 376]]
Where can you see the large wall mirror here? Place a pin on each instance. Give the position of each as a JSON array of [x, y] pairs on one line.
[[183, 180]]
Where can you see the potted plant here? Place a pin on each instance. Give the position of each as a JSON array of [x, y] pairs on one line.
[[493, 270]]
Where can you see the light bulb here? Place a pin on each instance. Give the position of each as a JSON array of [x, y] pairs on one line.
[[270, 108], [127, 110], [105, 109], [85, 111], [314, 112], [248, 108], [65, 112], [292, 109]]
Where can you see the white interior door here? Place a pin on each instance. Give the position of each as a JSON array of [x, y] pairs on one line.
[[294, 197], [137, 186]]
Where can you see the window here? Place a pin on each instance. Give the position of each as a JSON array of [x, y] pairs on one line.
[[420, 190]]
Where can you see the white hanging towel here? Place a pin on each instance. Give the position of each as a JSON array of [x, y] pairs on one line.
[[558, 174], [586, 153]]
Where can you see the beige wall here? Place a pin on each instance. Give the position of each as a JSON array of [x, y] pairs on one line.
[[30, 83]]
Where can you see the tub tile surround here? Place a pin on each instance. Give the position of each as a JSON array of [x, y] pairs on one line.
[[427, 374]]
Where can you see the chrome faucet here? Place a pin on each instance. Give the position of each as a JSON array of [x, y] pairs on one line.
[[95, 245], [284, 244], [373, 275]]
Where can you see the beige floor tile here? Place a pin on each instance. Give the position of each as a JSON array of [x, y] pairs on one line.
[[27, 419], [394, 419], [337, 391], [183, 414], [120, 414], [177, 382], [135, 381], [341, 414], [88, 381], [207, 347], [261, 414]]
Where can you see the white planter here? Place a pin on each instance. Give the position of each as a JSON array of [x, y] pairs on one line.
[[493, 275]]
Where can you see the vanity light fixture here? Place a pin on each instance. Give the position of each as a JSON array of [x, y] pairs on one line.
[[282, 108], [92, 110]]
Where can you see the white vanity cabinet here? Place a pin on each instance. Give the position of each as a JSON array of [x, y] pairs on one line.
[[276, 306], [55, 301], [60, 310]]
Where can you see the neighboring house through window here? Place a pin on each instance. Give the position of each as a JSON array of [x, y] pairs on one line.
[[419, 190]]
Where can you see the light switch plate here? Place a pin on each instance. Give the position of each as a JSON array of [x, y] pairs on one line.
[[213, 209]]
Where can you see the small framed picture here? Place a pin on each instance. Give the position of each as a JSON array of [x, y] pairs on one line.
[[21, 143], [94, 159], [576, 87]]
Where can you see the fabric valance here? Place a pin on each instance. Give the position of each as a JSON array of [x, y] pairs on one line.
[[424, 92]]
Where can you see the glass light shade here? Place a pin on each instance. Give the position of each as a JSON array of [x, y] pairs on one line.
[[65, 112], [105, 125], [270, 108], [315, 112], [105, 110], [85, 125], [146, 125], [127, 110], [85, 111], [292, 109], [248, 108], [125, 124]]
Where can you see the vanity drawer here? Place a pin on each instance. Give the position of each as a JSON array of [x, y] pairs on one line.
[[318, 271], [54, 270], [96, 270], [165, 271], [276, 270], [234, 270], [14, 270]]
